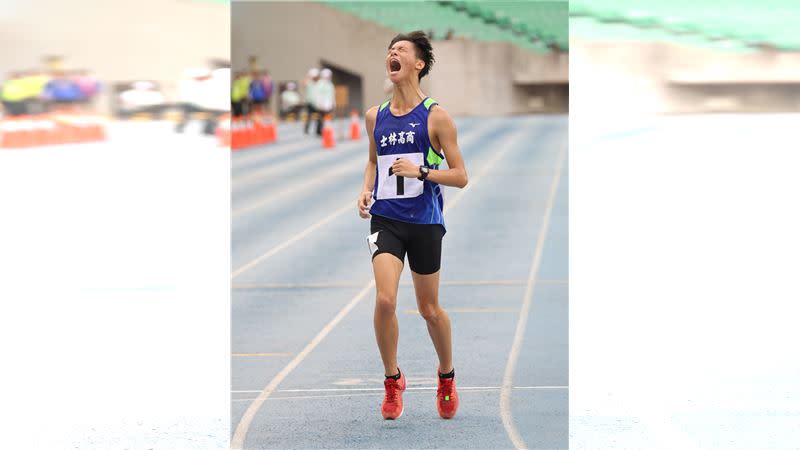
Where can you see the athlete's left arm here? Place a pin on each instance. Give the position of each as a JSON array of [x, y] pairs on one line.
[[444, 129]]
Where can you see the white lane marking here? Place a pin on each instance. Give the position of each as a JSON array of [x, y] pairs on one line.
[[470, 310], [286, 165], [254, 286], [237, 442], [504, 145], [292, 240], [359, 284], [508, 376], [379, 390], [428, 388], [255, 155], [301, 185]]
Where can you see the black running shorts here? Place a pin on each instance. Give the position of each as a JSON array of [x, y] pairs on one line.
[[422, 242]]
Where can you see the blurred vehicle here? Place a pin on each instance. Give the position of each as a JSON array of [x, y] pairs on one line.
[[139, 97]]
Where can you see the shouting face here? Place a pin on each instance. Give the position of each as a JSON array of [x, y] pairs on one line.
[[402, 62]]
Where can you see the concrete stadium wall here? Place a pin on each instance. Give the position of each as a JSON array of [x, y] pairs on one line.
[[666, 78], [469, 78], [118, 40]]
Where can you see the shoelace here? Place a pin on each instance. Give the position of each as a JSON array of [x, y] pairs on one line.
[[445, 388], [391, 390]]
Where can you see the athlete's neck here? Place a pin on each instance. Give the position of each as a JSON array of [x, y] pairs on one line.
[[406, 96]]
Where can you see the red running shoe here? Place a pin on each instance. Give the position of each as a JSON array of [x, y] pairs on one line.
[[392, 407], [446, 397]]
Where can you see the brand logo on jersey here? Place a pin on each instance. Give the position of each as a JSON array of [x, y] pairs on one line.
[[400, 137], [414, 125]]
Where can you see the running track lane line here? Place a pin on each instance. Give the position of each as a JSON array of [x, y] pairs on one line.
[[513, 356], [237, 442], [292, 240]]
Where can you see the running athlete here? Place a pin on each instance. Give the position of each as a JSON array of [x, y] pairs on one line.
[[409, 136]]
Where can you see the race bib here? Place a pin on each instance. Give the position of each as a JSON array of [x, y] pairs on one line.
[[391, 186]]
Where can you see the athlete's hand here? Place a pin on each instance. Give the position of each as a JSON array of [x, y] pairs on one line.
[[405, 168], [363, 204]]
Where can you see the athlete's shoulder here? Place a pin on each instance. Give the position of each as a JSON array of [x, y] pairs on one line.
[[371, 115], [438, 116]]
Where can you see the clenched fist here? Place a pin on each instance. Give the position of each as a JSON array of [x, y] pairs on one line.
[[363, 204], [405, 168]]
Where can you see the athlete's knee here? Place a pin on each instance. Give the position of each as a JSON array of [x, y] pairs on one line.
[[385, 302], [431, 312]]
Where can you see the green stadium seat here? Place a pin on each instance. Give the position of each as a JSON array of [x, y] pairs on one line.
[[502, 21]]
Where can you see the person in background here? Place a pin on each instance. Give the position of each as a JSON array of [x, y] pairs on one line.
[[239, 94], [269, 86], [290, 100], [257, 92], [310, 84], [325, 97], [190, 94], [218, 97], [88, 86], [13, 95], [62, 91]]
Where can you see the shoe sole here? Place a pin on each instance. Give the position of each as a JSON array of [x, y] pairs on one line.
[[399, 416]]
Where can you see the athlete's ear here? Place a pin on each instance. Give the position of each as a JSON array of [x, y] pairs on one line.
[[420, 64]]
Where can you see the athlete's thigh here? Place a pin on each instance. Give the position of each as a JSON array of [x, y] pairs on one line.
[[388, 253], [387, 269], [425, 248]]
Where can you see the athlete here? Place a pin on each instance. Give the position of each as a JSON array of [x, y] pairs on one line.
[[409, 136]]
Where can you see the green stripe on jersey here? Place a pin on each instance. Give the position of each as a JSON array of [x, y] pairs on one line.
[[433, 158], [383, 105], [428, 102]]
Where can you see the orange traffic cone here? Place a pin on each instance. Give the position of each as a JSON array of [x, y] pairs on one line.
[[272, 131], [10, 134], [355, 126], [238, 134], [328, 140], [259, 133]]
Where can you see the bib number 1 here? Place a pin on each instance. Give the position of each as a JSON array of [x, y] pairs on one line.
[[393, 186]]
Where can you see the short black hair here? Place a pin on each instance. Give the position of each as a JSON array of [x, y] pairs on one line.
[[423, 48]]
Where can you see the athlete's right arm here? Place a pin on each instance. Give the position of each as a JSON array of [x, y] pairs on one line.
[[369, 172]]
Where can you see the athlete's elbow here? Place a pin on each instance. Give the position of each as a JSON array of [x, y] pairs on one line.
[[463, 180]]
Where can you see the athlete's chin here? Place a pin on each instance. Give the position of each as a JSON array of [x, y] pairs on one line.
[[395, 77]]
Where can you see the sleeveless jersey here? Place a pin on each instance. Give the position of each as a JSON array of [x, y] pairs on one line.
[[400, 198]]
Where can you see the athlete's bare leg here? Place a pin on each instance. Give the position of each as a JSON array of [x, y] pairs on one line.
[[427, 290], [387, 269]]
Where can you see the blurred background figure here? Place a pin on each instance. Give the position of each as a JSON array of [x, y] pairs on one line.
[[141, 97], [15, 95], [192, 93], [290, 101], [240, 94], [203, 94], [260, 91], [324, 97], [310, 91]]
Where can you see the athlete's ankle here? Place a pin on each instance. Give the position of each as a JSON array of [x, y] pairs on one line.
[[395, 376]]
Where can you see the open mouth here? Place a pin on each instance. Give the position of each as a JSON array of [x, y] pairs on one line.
[[394, 65]]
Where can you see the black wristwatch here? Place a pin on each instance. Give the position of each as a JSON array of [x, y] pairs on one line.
[[423, 173]]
